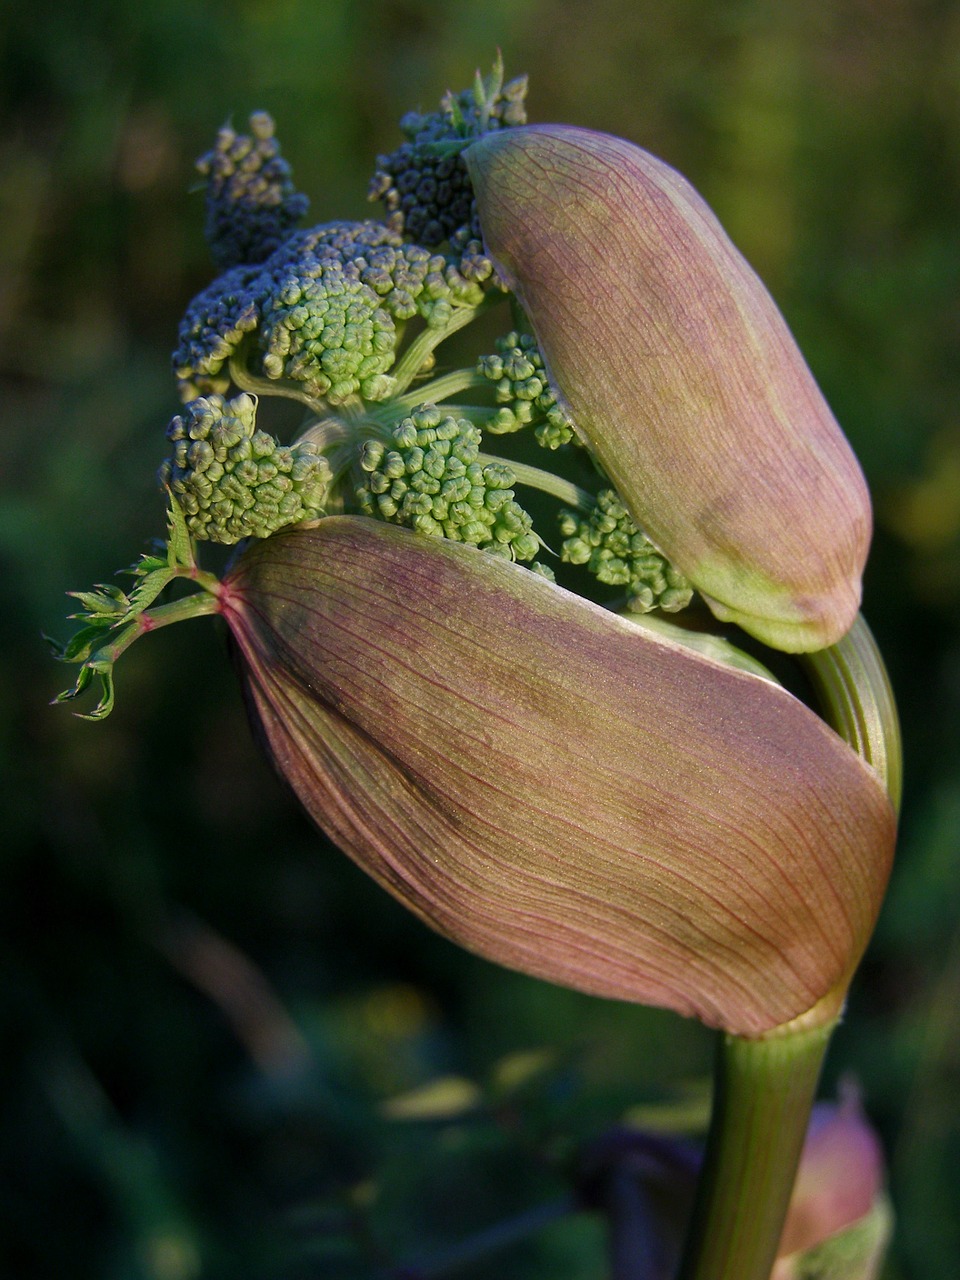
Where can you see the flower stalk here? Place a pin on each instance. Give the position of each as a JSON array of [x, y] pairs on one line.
[[763, 1096], [854, 692]]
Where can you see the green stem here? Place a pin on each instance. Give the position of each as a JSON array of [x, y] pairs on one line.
[[390, 412], [763, 1093], [855, 696], [328, 433], [247, 381], [193, 573], [536, 478], [439, 389], [195, 606], [101, 661], [413, 359]]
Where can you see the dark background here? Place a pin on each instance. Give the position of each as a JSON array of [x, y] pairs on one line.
[[205, 1010]]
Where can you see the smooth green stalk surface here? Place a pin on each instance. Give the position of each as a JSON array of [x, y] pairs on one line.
[[763, 1093]]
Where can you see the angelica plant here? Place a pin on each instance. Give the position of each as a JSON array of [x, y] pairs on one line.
[[448, 586]]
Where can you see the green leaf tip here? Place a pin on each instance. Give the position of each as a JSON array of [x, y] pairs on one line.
[[180, 554], [104, 673], [113, 620]]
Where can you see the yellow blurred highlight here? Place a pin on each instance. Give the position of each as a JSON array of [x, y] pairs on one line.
[[171, 1257], [442, 1099], [517, 1069], [395, 1012], [687, 1113], [926, 511], [364, 1194]]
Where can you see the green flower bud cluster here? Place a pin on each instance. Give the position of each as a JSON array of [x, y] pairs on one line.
[[252, 204], [214, 325], [407, 280], [429, 477], [522, 389], [424, 184], [613, 548], [329, 333], [233, 481]]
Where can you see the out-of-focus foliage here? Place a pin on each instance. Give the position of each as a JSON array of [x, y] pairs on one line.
[[225, 1053]]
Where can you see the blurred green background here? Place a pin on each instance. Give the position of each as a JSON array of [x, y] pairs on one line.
[[208, 1016]]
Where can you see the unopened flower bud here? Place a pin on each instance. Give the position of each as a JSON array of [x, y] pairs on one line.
[[682, 377]]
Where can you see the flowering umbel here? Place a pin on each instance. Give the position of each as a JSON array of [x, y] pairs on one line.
[[679, 372], [468, 704], [539, 777]]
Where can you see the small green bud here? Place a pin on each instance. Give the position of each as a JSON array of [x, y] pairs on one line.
[[431, 480], [252, 204], [330, 333], [213, 327], [524, 392], [614, 549], [232, 481]]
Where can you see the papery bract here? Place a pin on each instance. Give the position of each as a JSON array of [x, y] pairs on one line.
[[681, 375], [554, 788]]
